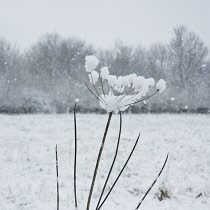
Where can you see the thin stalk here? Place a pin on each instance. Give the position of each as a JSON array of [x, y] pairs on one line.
[[75, 156], [96, 89], [153, 183], [118, 92], [113, 90], [98, 160], [56, 158], [143, 99], [102, 86], [115, 156], [120, 172], [132, 97], [91, 92], [130, 90]]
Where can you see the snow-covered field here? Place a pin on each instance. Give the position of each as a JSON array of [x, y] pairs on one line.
[[27, 155]]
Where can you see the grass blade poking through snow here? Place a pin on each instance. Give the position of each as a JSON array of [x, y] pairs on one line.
[[56, 157], [120, 172], [115, 156], [153, 183], [75, 154], [98, 160]]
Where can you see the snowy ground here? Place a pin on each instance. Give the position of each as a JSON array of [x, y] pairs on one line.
[[27, 155]]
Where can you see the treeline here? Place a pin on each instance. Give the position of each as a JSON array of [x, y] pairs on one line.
[[49, 75]]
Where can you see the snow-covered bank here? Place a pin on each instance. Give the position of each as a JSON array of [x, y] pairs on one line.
[[27, 154]]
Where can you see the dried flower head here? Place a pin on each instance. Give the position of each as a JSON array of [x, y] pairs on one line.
[[118, 93]]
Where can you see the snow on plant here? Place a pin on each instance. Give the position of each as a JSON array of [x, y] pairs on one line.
[[161, 85], [115, 94], [118, 93], [91, 63]]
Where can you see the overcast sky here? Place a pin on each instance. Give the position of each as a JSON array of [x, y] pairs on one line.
[[100, 22]]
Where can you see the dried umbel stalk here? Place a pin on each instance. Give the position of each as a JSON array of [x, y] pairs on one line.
[[75, 153], [56, 159], [115, 94]]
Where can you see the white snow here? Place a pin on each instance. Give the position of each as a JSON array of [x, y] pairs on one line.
[[121, 83], [91, 62], [172, 98], [112, 80], [161, 85], [112, 103], [203, 65], [28, 172], [93, 76], [104, 72], [76, 100], [123, 91], [138, 83], [130, 79]]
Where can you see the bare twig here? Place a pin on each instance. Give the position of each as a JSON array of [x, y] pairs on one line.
[[102, 86], [98, 160], [129, 91], [132, 97], [115, 156], [96, 89], [142, 99], [92, 92], [118, 91], [120, 172], [75, 156], [56, 157], [153, 182]]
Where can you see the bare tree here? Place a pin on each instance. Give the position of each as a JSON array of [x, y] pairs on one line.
[[10, 72], [56, 66], [187, 55], [158, 60]]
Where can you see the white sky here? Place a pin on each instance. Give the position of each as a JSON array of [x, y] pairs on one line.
[[100, 22]]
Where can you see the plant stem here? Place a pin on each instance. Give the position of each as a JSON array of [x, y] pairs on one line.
[[75, 156], [142, 99], [102, 86], [129, 91], [98, 160], [56, 157], [153, 183], [115, 156], [120, 172], [96, 89], [91, 92]]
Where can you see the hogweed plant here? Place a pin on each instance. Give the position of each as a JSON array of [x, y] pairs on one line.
[[115, 95]]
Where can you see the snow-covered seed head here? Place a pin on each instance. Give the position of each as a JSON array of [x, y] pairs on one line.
[[118, 93], [151, 82], [91, 62], [120, 84], [161, 85], [138, 83], [104, 73], [93, 76], [112, 80], [131, 78], [76, 100]]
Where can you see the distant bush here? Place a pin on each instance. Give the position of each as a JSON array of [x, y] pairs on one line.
[[202, 110], [26, 106], [33, 106]]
